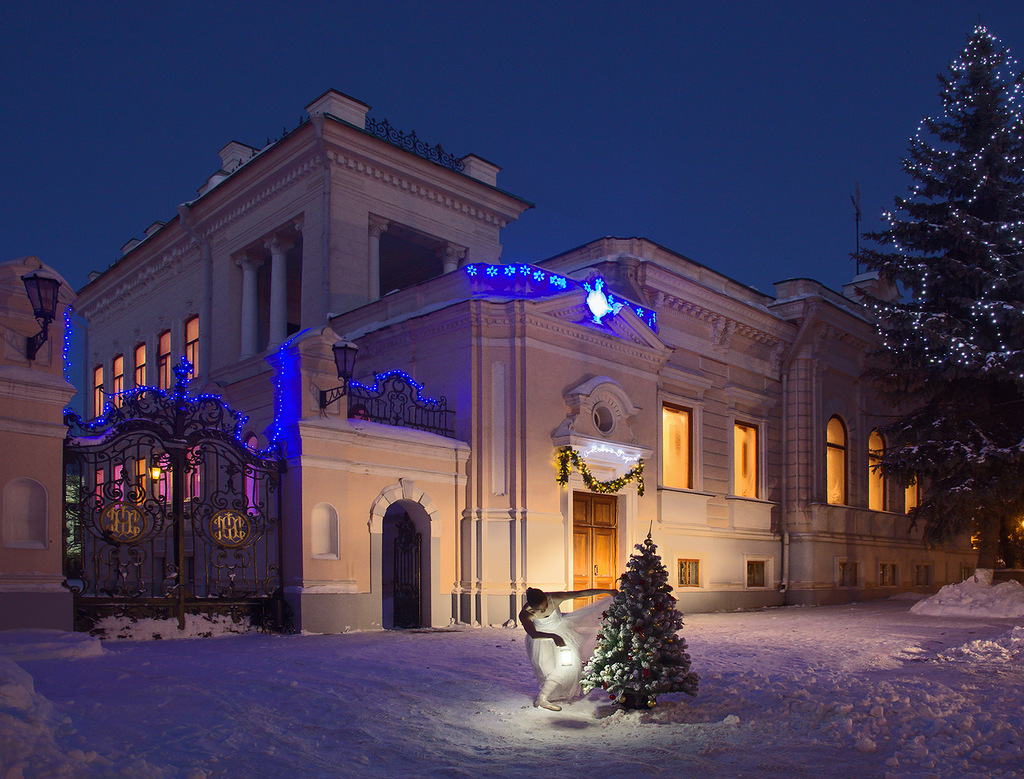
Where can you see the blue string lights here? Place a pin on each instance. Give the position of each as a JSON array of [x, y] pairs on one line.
[[528, 281]]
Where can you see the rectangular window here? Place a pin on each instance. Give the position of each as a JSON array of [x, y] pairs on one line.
[[756, 573], [117, 379], [689, 573], [192, 345], [676, 448], [140, 365], [847, 574], [887, 575], [745, 460], [922, 575], [163, 360], [97, 391], [966, 572]]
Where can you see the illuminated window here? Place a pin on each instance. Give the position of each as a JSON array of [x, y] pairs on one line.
[[756, 573], [966, 572], [912, 496], [744, 460], [689, 573], [140, 365], [117, 379], [163, 360], [192, 345], [876, 481], [887, 575], [676, 448], [847, 574], [97, 391], [835, 461]]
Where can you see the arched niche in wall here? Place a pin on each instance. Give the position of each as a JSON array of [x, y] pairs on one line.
[[25, 513], [324, 532]]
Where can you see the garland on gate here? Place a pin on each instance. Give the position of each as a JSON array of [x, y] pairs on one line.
[[569, 458]]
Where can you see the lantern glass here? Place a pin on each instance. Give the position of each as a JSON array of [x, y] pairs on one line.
[[42, 294], [566, 655], [345, 358]]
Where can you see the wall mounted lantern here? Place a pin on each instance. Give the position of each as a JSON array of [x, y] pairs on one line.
[[345, 361], [42, 294]]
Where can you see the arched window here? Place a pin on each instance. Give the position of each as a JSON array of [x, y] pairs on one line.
[[835, 461], [876, 480]]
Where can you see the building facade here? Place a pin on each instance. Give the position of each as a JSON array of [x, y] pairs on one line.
[[610, 391]]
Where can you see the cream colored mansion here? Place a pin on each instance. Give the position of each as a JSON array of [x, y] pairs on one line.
[[612, 390]]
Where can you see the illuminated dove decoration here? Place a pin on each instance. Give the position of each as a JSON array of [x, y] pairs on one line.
[[600, 304]]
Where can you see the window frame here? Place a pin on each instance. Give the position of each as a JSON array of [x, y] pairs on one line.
[[690, 469], [894, 568], [688, 561], [756, 459], [877, 483], [163, 360], [191, 344], [766, 572], [98, 403], [844, 450], [117, 380], [139, 373], [843, 566]]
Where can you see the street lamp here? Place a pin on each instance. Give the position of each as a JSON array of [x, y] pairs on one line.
[[42, 294], [344, 361]]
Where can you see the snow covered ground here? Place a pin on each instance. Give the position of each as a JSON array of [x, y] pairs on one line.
[[864, 690]]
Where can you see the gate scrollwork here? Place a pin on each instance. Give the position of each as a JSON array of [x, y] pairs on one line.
[[168, 512]]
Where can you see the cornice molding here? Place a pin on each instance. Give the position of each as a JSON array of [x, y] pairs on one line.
[[368, 169]]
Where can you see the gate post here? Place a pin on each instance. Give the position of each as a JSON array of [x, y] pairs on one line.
[[34, 394]]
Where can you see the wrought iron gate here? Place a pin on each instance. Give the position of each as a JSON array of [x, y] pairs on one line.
[[407, 574], [168, 513]]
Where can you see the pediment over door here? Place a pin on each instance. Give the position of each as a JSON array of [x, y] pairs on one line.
[[599, 426]]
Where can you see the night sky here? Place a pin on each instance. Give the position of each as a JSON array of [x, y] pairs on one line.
[[733, 133]]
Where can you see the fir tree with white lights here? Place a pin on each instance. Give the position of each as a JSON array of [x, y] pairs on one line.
[[639, 652], [952, 361]]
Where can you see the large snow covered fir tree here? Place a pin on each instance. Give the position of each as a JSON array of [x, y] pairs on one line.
[[639, 653], [952, 361]]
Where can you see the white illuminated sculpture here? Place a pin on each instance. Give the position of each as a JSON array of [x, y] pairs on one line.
[[599, 303]]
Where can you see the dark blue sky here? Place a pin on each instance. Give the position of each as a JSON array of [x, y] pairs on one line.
[[731, 132]]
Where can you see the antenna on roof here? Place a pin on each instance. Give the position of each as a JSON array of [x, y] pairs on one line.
[[856, 217]]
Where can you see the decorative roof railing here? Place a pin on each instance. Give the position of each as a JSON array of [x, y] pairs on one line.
[[410, 142]]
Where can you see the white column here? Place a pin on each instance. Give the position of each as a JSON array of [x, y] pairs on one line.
[[278, 291], [452, 255], [377, 226], [249, 263]]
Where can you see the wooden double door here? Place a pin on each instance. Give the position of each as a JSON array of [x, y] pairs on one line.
[[594, 540]]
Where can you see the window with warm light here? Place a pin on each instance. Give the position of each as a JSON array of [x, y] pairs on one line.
[[140, 365], [876, 481], [163, 360], [117, 379], [676, 447], [689, 573], [192, 344], [911, 496], [97, 391], [835, 461], [745, 457]]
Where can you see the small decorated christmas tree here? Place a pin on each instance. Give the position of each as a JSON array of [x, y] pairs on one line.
[[639, 653]]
